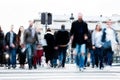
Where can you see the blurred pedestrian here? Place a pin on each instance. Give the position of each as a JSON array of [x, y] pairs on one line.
[[10, 42], [97, 46], [79, 31], [39, 48], [49, 48], [30, 38], [109, 35], [1, 47], [21, 49], [62, 39]]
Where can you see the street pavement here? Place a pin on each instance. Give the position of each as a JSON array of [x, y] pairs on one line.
[[70, 72]]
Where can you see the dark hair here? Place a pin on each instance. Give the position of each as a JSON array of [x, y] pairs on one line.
[[19, 32], [96, 27], [48, 30], [62, 26], [0, 29]]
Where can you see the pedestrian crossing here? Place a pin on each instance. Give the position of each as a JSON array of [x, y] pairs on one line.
[[70, 72]]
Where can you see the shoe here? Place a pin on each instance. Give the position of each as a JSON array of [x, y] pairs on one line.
[[35, 67], [81, 69], [14, 66], [59, 65], [9, 67], [30, 67]]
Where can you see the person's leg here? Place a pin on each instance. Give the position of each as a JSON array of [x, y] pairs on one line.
[[60, 57], [101, 58], [64, 56], [82, 55], [29, 56], [9, 59], [96, 57], [14, 58], [77, 57], [110, 57], [92, 57]]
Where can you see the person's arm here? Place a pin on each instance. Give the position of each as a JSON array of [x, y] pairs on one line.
[[86, 32], [93, 40], [72, 29]]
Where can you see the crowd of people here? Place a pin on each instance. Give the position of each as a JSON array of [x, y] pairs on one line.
[[35, 48]]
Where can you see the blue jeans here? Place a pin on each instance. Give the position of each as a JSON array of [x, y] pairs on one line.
[[80, 57], [62, 55], [12, 57], [109, 56], [92, 57], [30, 54]]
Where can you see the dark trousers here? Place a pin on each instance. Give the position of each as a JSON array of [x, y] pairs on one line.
[[22, 58], [1, 57], [108, 57], [99, 57], [92, 55]]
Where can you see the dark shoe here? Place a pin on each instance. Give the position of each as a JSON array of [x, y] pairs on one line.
[[9, 67], [59, 65], [30, 67], [35, 67], [14, 66]]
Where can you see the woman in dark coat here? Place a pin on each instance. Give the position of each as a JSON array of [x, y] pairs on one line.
[[21, 47], [49, 49], [1, 46]]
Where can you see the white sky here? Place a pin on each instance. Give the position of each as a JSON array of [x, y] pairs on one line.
[[18, 12]]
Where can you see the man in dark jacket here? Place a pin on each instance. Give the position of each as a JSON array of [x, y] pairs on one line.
[[79, 31], [62, 39], [10, 41], [1, 47]]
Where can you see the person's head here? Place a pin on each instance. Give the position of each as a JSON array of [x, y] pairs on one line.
[[98, 27], [30, 23], [11, 28], [109, 22], [80, 16], [21, 29], [63, 27], [48, 30], [0, 28]]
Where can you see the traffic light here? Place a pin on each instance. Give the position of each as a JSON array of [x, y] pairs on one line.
[[43, 18], [46, 17], [49, 18]]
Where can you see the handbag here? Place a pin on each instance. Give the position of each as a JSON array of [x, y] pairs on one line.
[[44, 42], [107, 45]]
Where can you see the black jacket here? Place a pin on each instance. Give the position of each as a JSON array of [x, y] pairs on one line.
[[78, 30], [62, 37], [7, 39]]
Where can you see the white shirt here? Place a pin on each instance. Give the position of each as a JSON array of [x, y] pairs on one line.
[[22, 38], [96, 38], [110, 35]]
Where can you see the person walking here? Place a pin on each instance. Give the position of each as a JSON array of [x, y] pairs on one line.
[[10, 42], [30, 38], [62, 40], [21, 49], [97, 46], [49, 48], [79, 31], [1, 47], [109, 35]]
